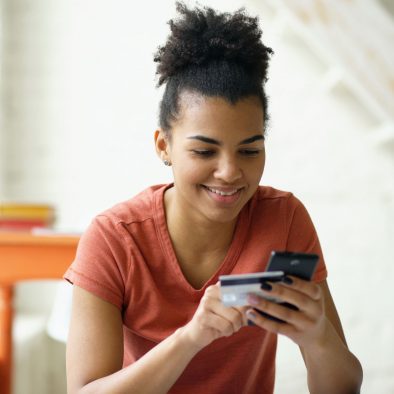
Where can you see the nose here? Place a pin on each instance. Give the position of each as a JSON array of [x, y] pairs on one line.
[[228, 170]]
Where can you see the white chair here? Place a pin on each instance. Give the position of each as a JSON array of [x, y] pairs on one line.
[[59, 320]]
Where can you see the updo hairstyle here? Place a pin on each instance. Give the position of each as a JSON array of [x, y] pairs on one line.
[[213, 54]]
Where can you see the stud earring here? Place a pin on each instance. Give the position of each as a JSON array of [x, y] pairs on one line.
[[166, 163]]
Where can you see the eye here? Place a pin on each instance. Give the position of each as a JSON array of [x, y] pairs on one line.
[[249, 152], [203, 152]]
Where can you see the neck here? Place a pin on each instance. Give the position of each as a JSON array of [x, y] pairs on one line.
[[205, 239]]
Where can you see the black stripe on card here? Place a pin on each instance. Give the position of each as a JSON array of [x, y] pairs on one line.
[[247, 281]]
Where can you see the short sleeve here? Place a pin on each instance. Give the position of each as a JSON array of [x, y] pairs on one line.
[[302, 237], [101, 261]]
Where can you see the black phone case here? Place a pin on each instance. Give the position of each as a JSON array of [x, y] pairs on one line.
[[302, 265]]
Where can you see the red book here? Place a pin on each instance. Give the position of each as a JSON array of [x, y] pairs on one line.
[[26, 225]]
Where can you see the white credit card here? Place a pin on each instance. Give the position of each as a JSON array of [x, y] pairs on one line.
[[234, 289]]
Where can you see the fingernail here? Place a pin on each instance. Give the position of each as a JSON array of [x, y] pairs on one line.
[[266, 286], [253, 299], [251, 315], [287, 280]]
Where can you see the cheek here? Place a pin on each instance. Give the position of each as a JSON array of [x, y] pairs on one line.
[[255, 170], [262, 166], [191, 171]]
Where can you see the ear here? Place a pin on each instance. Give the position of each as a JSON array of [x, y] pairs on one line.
[[162, 145]]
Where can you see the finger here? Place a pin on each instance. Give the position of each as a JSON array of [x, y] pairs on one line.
[[294, 317], [270, 325], [308, 288], [212, 303], [213, 290], [218, 323], [288, 294], [242, 310], [233, 315]]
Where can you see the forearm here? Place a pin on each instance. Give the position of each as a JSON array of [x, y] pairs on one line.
[[331, 367], [155, 372]]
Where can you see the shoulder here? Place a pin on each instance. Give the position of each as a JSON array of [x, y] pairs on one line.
[[269, 196], [137, 209], [117, 224], [270, 206], [268, 192], [106, 247]]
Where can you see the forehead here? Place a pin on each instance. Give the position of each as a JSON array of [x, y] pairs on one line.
[[217, 116]]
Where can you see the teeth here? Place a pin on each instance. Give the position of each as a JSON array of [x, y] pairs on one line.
[[222, 193]]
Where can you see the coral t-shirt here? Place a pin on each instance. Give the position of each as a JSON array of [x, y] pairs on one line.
[[126, 257]]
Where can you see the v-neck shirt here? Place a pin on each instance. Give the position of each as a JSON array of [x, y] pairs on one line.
[[126, 257], [226, 265]]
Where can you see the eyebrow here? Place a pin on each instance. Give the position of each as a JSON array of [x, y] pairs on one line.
[[208, 140]]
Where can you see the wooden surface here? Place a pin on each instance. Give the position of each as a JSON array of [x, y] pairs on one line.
[[25, 256]]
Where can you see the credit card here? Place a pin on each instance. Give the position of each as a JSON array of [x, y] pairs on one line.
[[234, 289]]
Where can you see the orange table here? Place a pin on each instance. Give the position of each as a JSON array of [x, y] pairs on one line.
[[26, 256]]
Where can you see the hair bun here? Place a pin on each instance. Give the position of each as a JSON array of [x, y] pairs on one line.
[[201, 36]]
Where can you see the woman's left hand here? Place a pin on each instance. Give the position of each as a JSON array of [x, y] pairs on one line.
[[305, 326]]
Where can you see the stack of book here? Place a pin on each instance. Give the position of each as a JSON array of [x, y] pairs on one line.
[[25, 217]]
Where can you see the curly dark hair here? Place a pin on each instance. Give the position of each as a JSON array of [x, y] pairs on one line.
[[213, 54]]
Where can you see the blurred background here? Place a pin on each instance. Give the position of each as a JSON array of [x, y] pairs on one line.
[[78, 111]]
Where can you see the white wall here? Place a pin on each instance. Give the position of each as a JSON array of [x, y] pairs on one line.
[[82, 103], [2, 133], [323, 148], [80, 110]]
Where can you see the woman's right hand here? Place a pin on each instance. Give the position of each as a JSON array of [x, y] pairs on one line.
[[213, 320]]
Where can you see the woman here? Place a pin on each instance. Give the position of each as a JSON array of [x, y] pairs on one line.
[[147, 315]]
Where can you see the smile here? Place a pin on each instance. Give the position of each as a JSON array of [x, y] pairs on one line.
[[224, 196], [221, 192]]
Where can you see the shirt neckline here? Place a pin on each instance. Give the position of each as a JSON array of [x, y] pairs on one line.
[[163, 235]]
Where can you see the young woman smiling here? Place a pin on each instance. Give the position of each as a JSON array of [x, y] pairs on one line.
[[147, 315]]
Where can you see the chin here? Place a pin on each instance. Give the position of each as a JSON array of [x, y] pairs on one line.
[[222, 217]]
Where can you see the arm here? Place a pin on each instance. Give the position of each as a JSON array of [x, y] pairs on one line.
[[316, 328], [95, 346], [332, 361]]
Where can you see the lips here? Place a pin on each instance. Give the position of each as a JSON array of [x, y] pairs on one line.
[[222, 192], [224, 195]]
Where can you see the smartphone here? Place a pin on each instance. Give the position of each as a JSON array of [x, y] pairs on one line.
[[234, 289], [302, 265]]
